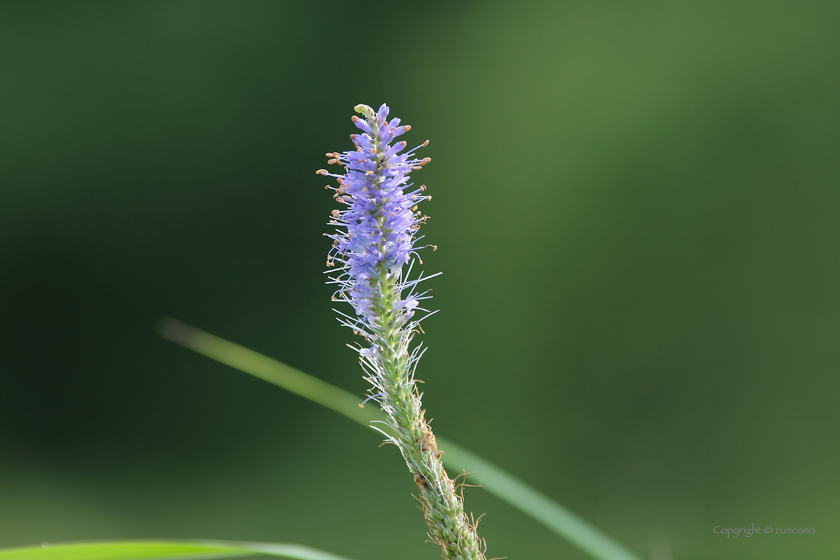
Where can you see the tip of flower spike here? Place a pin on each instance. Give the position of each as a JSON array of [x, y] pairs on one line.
[[368, 112]]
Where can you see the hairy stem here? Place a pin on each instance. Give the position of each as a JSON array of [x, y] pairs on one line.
[[449, 526]]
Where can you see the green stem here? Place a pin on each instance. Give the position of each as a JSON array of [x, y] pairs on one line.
[[449, 526]]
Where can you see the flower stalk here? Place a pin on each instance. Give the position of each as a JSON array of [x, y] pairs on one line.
[[373, 252]]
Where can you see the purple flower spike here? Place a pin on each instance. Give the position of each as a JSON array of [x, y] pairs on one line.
[[376, 236], [378, 230]]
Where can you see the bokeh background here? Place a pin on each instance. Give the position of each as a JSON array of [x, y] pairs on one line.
[[636, 208]]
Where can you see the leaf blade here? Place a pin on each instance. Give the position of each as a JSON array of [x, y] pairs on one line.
[[495, 480], [163, 550]]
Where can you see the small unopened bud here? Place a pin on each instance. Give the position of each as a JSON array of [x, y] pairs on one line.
[[364, 110]]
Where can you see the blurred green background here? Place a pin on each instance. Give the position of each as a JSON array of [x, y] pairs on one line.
[[636, 208]]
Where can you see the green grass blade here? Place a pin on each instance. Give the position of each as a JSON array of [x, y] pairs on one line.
[[492, 478], [163, 550]]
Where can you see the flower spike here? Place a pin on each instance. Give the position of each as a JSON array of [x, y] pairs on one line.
[[375, 237]]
